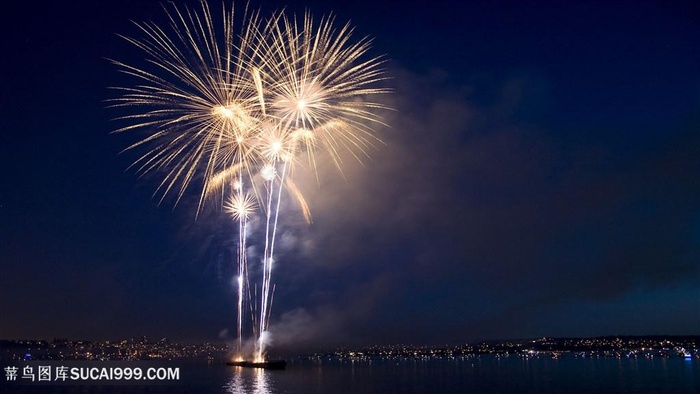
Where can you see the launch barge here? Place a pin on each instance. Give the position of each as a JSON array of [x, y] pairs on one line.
[[269, 364]]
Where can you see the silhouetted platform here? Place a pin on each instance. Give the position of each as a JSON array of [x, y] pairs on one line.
[[269, 364]]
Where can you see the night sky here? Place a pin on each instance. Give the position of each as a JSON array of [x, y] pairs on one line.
[[540, 177]]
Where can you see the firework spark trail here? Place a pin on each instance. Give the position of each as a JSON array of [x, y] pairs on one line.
[[269, 174], [221, 106], [240, 206], [242, 267], [268, 259]]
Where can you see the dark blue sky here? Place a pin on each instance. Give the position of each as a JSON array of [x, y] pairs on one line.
[[540, 177]]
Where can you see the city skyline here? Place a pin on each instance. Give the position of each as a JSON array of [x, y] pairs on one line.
[[135, 349]]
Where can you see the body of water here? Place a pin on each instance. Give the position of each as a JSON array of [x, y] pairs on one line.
[[477, 375]]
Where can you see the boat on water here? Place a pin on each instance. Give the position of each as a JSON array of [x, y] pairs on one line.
[[267, 364]]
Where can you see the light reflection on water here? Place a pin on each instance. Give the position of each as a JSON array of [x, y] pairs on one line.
[[484, 375], [249, 381]]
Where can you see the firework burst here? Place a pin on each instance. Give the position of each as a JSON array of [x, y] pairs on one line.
[[231, 112], [240, 206], [199, 103], [319, 86]]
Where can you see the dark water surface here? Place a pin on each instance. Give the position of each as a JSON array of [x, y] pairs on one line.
[[469, 375]]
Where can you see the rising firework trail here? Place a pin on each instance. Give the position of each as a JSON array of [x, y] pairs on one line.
[[240, 206], [231, 113]]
